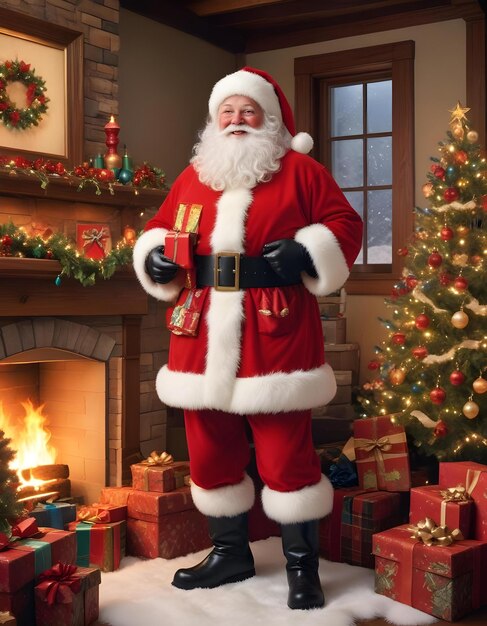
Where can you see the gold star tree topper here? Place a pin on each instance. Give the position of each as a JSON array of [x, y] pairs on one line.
[[458, 113]]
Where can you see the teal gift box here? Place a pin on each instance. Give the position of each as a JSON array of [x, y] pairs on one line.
[[54, 515]]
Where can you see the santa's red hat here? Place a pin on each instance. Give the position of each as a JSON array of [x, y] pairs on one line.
[[262, 88]]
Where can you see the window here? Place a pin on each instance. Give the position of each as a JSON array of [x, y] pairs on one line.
[[358, 106]]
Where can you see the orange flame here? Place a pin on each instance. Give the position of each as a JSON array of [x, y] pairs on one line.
[[29, 439]]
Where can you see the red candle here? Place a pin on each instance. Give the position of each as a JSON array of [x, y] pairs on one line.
[[112, 159]]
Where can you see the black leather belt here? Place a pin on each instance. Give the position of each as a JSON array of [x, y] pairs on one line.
[[231, 271]]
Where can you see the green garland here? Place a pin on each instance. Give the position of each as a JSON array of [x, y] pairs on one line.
[[36, 99], [14, 242]]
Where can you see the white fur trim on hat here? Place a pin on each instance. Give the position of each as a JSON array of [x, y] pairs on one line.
[[303, 505], [225, 501]]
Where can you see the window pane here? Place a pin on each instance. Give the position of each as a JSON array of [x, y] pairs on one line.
[[379, 161], [356, 199], [347, 162], [379, 107], [346, 111], [379, 226]]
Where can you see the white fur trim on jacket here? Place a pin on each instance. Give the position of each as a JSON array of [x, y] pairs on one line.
[[224, 501], [145, 243], [304, 505], [327, 258], [273, 393]]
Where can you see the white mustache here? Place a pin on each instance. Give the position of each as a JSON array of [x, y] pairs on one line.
[[240, 127]]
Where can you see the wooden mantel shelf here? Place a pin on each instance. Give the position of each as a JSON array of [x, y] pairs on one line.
[[15, 267], [13, 183]]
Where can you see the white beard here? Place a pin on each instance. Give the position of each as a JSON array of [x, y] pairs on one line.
[[225, 161]]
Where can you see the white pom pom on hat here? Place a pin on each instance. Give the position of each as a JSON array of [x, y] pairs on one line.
[[262, 88]]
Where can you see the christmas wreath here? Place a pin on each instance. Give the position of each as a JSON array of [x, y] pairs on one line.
[[36, 100]]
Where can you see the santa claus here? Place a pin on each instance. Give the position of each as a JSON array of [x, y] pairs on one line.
[[262, 230]]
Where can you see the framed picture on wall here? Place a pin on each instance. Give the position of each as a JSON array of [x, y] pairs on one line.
[[41, 89]]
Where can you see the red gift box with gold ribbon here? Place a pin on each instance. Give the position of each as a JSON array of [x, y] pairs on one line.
[[472, 476], [381, 454], [444, 581], [156, 474], [450, 507], [100, 545], [99, 513], [66, 595]]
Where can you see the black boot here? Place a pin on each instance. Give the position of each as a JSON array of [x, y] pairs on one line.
[[300, 547], [230, 560]]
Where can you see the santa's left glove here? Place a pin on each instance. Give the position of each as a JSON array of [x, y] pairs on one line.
[[161, 269], [288, 258]]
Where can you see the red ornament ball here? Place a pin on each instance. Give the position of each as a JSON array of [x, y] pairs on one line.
[[451, 194], [438, 172], [398, 338], [420, 352], [422, 321], [460, 283], [457, 378], [437, 395], [6, 241], [460, 157], [446, 233], [435, 259], [402, 252], [411, 282], [373, 365], [441, 429], [483, 201], [445, 279]]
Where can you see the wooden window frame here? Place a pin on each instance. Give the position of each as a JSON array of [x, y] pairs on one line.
[[398, 60]]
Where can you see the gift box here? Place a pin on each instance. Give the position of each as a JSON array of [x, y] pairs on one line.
[[100, 545], [472, 476], [443, 581], [179, 248], [381, 454], [7, 619], [19, 604], [160, 524], [99, 513], [27, 558], [162, 478], [363, 515], [93, 240], [54, 515], [67, 597], [447, 507]]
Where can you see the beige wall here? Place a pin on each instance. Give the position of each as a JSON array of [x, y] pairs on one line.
[[166, 77]]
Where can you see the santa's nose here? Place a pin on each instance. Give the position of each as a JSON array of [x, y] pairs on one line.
[[237, 118]]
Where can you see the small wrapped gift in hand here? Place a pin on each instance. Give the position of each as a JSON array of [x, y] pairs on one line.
[[179, 246]]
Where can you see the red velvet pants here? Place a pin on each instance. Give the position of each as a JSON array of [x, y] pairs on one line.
[[219, 449]]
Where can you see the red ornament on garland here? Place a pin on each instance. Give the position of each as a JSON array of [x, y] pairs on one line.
[[446, 233], [435, 259], [398, 338], [441, 429], [460, 283], [457, 378], [437, 395], [422, 321], [420, 352], [6, 241]]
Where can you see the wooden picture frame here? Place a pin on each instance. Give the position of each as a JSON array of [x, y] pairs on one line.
[[62, 137]]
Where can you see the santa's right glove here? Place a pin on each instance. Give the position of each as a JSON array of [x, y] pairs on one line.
[[161, 269]]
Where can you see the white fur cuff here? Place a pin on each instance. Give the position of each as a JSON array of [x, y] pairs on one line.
[[304, 505], [226, 501]]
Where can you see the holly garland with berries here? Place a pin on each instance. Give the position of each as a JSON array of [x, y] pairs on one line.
[[432, 367], [15, 242]]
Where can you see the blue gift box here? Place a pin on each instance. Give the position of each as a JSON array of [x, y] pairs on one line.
[[54, 514]]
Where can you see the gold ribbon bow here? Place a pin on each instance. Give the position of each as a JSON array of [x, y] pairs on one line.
[[93, 515], [430, 534], [95, 236], [158, 459], [455, 494]]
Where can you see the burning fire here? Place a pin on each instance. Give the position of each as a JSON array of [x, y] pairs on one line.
[[30, 439]]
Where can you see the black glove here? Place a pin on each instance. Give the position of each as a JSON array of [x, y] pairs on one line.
[[161, 269], [288, 258]]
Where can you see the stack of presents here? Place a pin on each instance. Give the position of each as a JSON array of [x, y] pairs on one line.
[[427, 544], [51, 559]]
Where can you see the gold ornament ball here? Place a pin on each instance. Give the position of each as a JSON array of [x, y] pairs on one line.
[[471, 409], [397, 376], [462, 230], [458, 131], [459, 319], [480, 385], [472, 136]]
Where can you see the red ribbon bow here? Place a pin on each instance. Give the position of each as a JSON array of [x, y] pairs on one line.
[[24, 528], [59, 584]]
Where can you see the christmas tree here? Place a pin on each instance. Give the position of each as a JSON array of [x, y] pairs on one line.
[[431, 366], [9, 507]]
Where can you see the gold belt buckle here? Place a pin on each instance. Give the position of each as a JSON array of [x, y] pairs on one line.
[[236, 272]]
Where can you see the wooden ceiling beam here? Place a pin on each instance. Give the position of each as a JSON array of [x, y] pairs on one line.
[[212, 7]]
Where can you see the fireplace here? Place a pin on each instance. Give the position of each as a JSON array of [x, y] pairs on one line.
[[75, 351]]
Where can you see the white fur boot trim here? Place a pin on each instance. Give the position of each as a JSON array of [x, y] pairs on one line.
[[226, 501], [303, 505]]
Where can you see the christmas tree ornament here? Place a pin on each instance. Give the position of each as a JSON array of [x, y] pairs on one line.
[[397, 376], [471, 409], [462, 230], [124, 176], [440, 429], [460, 319], [402, 252], [113, 161], [438, 172], [445, 279], [483, 202], [457, 378], [422, 321], [446, 233], [57, 281], [460, 283], [420, 352], [437, 395], [451, 173], [472, 136], [476, 259], [411, 282], [427, 189], [417, 388], [479, 385], [435, 259], [398, 338], [451, 194], [461, 157]]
